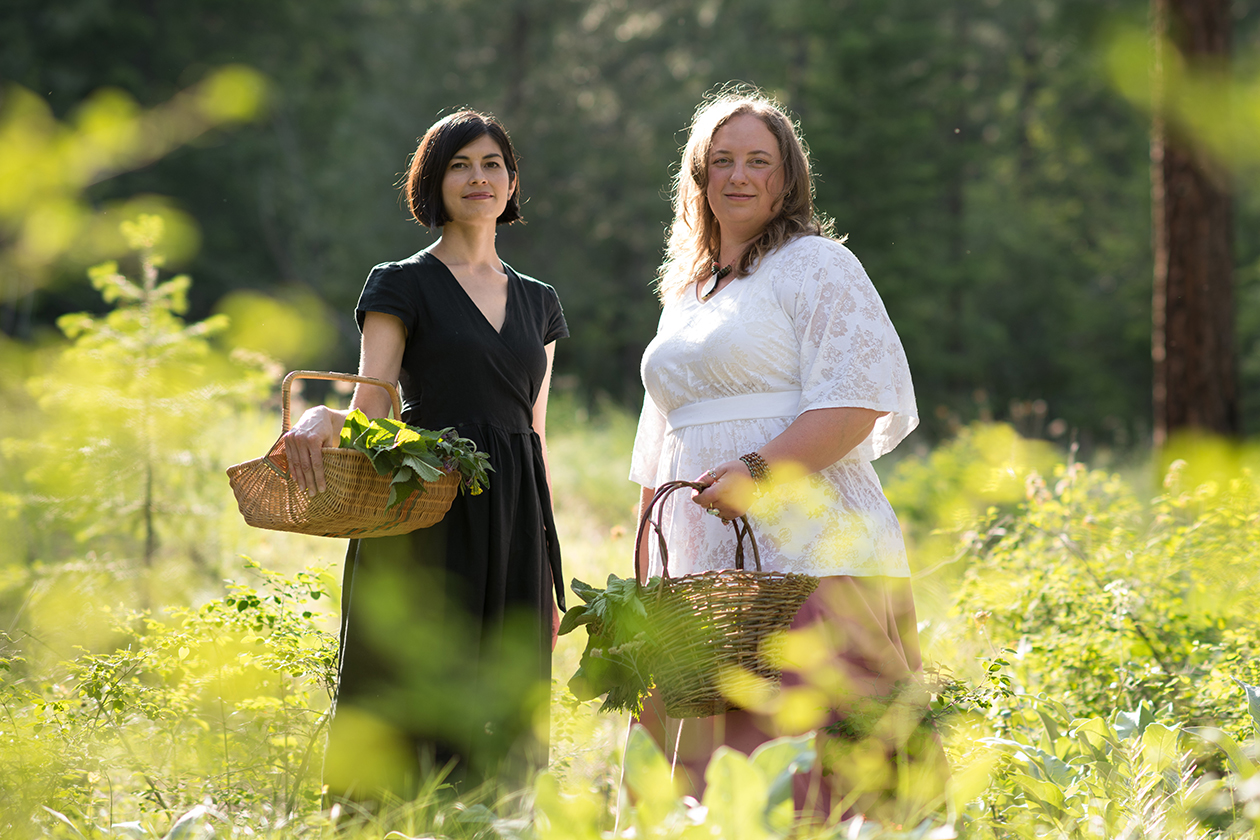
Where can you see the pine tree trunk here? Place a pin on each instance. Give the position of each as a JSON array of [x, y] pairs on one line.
[[1193, 313]]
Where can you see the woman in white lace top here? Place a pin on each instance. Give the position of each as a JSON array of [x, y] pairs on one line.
[[774, 379]]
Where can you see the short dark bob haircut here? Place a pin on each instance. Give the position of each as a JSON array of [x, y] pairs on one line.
[[439, 144]]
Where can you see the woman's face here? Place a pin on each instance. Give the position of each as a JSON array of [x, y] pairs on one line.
[[745, 177], [477, 184]]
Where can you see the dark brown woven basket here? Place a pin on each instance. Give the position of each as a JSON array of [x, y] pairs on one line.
[[707, 623], [353, 505]]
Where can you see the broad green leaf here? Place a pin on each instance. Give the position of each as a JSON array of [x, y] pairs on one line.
[[1037, 760], [1132, 724], [1049, 795], [779, 761], [583, 590], [425, 471], [1097, 736], [1242, 765], [1159, 747], [574, 617], [647, 774], [970, 780], [736, 794], [1253, 703]]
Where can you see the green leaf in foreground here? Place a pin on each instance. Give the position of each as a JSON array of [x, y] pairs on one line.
[[415, 456]]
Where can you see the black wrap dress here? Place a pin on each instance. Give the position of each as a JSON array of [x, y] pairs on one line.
[[446, 632]]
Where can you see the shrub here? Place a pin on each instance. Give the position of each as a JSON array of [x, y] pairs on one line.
[[1108, 601]]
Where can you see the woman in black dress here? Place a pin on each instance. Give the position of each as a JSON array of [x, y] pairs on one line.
[[446, 632]]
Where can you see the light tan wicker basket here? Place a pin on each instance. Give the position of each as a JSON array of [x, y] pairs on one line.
[[706, 623], [353, 505]]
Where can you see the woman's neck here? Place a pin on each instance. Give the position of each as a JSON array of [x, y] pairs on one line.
[[731, 248], [470, 245]]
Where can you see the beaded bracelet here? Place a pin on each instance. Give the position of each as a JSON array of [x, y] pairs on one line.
[[758, 468]]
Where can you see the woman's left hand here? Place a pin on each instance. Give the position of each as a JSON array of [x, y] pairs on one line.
[[728, 491]]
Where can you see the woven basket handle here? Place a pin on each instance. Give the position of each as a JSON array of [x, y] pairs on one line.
[[742, 528], [326, 375], [335, 377]]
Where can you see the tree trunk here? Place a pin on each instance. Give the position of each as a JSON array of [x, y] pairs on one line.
[[1193, 314]]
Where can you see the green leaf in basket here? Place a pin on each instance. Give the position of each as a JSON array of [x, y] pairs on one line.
[[381, 461], [574, 617], [356, 425], [425, 454], [407, 436], [619, 651], [584, 590], [393, 427], [426, 471]]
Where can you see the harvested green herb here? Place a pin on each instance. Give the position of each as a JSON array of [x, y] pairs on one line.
[[414, 456], [617, 659]]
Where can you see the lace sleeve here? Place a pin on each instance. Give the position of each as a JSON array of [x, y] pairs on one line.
[[648, 442], [850, 354]]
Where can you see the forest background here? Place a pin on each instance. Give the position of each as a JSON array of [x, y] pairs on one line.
[[990, 162], [979, 154]]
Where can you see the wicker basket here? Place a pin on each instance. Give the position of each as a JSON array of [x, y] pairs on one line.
[[353, 505], [704, 624]]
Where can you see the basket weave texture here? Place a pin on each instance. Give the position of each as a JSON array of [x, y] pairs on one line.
[[706, 624], [354, 503]]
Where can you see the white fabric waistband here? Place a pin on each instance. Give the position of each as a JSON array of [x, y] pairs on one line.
[[740, 407]]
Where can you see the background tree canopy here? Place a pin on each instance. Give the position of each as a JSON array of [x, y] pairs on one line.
[[992, 180]]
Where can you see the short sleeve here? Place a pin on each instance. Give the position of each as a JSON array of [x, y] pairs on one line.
[[649, 440], [386, 292], [850, 354], [556, 325]]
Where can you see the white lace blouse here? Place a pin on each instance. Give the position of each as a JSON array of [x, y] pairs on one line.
[[805, 330]]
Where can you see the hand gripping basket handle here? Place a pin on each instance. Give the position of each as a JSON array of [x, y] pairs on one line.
[[326, 375], [742, 528]]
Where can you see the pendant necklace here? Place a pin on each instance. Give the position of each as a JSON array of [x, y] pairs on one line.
[[710, 286]]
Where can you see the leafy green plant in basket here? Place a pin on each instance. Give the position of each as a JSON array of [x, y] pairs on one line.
[[414, 456], [617, 658]]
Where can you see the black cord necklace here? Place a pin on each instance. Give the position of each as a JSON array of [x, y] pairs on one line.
[[710, 286]]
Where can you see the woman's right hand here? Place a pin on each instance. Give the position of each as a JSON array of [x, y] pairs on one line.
[[319, 426]]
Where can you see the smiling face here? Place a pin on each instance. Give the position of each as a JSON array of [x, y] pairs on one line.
[[745, 173], [477, 184]]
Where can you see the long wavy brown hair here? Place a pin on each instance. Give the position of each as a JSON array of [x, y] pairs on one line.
[[694, 237]]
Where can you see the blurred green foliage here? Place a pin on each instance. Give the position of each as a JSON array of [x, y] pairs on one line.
[[224, 703], [47, 167], [1108, 599], [987, 161], [114, 452]]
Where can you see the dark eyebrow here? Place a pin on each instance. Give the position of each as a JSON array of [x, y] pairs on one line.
[[468, 157], [728, 151]]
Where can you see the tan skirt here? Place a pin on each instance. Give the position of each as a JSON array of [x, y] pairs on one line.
[[858, 685]]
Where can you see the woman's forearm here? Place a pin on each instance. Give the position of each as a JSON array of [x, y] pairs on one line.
[[814, 441], [817, 439]]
